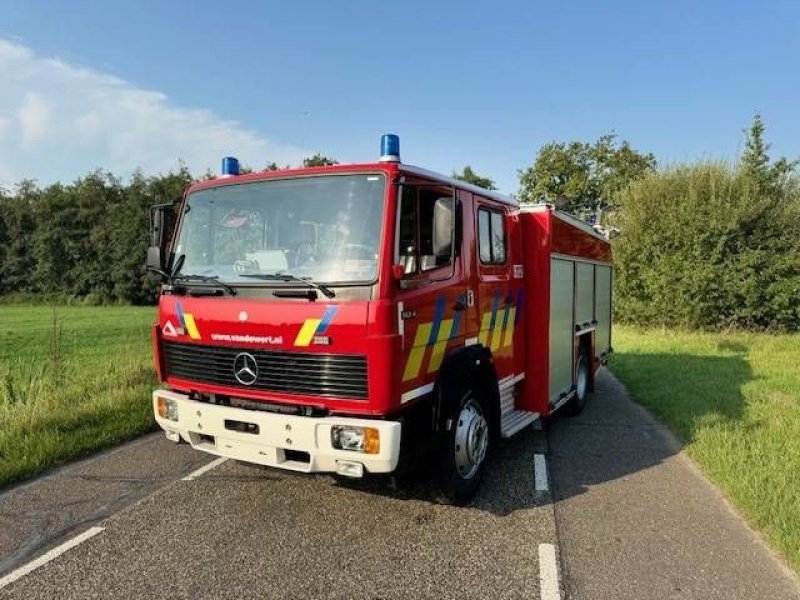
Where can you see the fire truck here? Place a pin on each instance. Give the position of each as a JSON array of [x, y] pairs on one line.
[[358, 319]]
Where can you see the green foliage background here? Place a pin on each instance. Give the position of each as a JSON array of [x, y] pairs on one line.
[[83, 242], [712, 245], [706, 247]]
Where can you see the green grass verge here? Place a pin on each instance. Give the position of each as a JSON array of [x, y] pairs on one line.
[[71, 383], [734, 401]]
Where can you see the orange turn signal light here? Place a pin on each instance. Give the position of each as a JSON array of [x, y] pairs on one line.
[[162, 407], [372, 440]]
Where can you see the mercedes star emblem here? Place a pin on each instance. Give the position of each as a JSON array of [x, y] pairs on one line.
[[245, 368]]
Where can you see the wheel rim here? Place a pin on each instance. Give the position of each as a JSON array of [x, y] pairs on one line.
[[583, 378], [472, 439]]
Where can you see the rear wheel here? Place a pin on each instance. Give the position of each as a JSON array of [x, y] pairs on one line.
[[464, 449], [583, 375]]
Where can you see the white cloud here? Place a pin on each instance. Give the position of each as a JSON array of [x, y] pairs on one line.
[[59, 121], [34, 119]]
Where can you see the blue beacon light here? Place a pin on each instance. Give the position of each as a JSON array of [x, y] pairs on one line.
[[390, 148], [230, 166]]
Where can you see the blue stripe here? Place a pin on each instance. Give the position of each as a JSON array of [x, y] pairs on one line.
[[495, 304], [437, 319], [330, 312], [179, 310], [520, 300], [505, 316], [462, 299]]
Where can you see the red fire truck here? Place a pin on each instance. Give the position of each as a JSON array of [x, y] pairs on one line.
[[353, 319]]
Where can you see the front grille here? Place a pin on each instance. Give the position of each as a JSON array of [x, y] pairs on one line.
[[330, 375]]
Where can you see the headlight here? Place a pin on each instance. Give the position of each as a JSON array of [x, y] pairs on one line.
[[167, 408], [357, 439]]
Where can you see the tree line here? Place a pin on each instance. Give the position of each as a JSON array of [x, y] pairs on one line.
[[705, 245]]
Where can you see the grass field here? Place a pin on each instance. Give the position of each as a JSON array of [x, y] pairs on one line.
[[70, 383], [734, 401], [80, 379]]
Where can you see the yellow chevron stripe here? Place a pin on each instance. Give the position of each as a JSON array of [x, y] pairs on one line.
[[417, 353], [191, 326], [484, 332], [497, 332], [508, 334], [441, 344], [307, 332]]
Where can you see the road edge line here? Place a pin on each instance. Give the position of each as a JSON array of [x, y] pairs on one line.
[[45, 558]]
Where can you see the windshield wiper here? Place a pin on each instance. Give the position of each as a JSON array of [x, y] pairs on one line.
[[329, 293], [205, 279]]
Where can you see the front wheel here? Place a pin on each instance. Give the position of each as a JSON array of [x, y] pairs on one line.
[[464, 450]]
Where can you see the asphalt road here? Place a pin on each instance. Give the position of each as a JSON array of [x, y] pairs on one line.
[[629, 518], [635, 518]]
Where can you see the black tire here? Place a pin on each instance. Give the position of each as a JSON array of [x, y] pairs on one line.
[[463, 449], [583, 385]]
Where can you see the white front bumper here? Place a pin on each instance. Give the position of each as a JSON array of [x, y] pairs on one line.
[[203, 426]]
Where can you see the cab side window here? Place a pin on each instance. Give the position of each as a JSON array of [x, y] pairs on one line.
[[491, 237], [425, 229]]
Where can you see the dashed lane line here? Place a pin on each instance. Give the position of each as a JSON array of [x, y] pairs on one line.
[[48, 556], [549, 581], [204, 469], [540, 473]]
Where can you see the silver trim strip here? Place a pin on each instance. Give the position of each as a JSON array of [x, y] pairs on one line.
[[401, 325], [416, 393], [497, 196], [562, 402], [590, 261]]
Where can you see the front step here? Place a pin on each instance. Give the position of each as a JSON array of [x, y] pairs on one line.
[[513, 421]]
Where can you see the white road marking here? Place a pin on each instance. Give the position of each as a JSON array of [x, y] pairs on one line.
[[204, 469], [48, 556], [540, 473], [549, 584]]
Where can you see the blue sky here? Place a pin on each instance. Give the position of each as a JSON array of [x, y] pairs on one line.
[[123, 84]]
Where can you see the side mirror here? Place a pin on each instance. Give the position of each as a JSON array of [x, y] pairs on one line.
[[155, 260], [156, 253]]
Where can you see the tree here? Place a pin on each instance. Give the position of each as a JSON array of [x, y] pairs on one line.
[[470, 176], [702, 248], [755, 163], [585, 177], [318, 160]]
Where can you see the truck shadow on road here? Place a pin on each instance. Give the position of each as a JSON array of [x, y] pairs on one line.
[[507, 486], [615, 438]]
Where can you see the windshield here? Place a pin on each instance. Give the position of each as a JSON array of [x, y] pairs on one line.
[[325, 229]]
